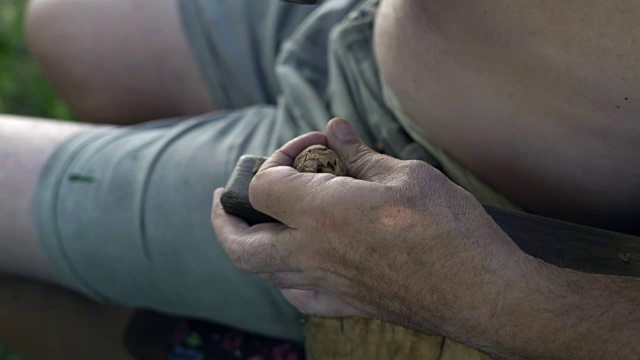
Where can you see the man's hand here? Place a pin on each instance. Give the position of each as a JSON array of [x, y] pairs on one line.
[[398, 241], [393, 240]]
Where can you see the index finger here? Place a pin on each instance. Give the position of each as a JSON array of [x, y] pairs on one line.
[[260, 248], [288, 152], [275, 186]]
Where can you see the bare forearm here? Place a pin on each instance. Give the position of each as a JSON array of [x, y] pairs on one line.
[[582, 316], [560, 314], [398, 241]]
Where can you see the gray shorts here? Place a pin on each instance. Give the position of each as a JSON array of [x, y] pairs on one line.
[[122, 213]]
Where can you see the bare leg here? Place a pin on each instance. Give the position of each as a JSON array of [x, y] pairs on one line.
[[118, 61], [122, 62], [25, 145]]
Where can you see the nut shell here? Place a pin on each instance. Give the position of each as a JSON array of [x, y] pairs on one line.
[[319, 159]]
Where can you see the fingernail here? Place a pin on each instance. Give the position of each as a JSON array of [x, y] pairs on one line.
[[343, 130]]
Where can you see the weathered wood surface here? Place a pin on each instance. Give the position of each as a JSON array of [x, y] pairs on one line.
[[560, 243], [364, 339]]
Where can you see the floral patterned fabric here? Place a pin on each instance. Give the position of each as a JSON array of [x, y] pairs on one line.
[[198, 340]]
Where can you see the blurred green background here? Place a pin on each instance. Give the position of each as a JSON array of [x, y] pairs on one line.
[[6, 354], [23, 88]]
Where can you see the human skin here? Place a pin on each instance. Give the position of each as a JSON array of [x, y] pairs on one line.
[[547, 178], [539, 99], [119, 62], [402, 243], [81, 46], [25, 146]]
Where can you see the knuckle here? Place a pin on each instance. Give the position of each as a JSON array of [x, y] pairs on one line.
[[239, 256], [363, 161], [418, 169], [280, 153], [418, 173], [256, 188], [361, 154], [414, 182]]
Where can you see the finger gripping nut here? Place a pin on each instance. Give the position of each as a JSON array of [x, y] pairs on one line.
[[319, 159]]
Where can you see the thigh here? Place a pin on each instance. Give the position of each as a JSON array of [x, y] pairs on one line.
[[122, 215], [25, 145], [118, 61]]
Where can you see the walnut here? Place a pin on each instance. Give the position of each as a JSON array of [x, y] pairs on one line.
[[319, 159]]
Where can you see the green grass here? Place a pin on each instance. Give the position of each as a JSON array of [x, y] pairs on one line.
[[23, 88]]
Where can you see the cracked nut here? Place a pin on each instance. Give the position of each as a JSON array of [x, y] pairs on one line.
[[319, 159]]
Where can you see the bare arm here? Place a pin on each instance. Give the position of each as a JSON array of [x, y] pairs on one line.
[[400, 242], [25, 145], [557, 313]]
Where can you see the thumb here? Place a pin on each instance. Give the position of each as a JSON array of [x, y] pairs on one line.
[[360, 160]]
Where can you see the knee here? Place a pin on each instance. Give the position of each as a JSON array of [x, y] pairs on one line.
[[54, 30], [90, 53], [46, 22], [41, 16], [58, 34], [109, 59]]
